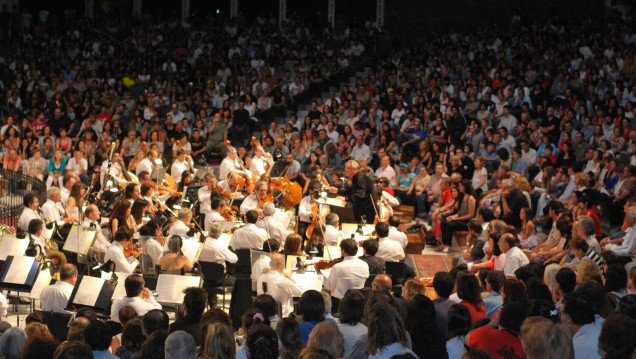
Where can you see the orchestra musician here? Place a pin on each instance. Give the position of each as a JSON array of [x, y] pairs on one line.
[[154, 242], [230, 186], [173, 258], [261, 162], [30, 211], [351, 273], [53, 209], [279, 284], [359, 193], [215, 252], [253, 201], [305, 214], [147, 164], [395, 234], [249, 236], [180, 165], [331, 229], [115, 251], [54, 298], [75, 202], [69, 180], [273, 228], [182, 225], [91, 220], [214, 216], [36, 226], [206, 194], [115, 171], [137, 296], [231, 163], [388, 249], [120, 217], [131, 193]]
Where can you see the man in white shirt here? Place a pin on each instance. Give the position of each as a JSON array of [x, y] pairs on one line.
[[273, 228], [395, 234], [155, 242], [385, 170], [361, 150], [137, 296], [528, 154], [214, 216], [515, 258], [181, 226], [179, 166], [205, 193], [55, 297], [213, 250], [36, 227], [249, 236], [261, 265], [304, 208], [230, 164], [115, 251], [251, 202], [69, 179], [53, 209], [115, 171], [331, 229], [279, 284], [261, 162], [389, 250], [91, 220], [351, 273], [31, 204], [78, 165], [507, 120], [147, 164]]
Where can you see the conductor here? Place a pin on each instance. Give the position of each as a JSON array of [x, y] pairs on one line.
[[359, 193]]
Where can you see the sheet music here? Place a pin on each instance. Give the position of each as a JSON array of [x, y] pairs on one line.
[[283, 217], [292, 263], [190, 248], [308, 281], [228, 225], [19, 270], [43, 281], [170, 287], [79, 240], [120, 289], [349, 228], [225, 239], [12, 246], [88, 291]]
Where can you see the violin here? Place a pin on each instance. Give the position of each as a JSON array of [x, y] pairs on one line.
[[268, 198], [132, 251], [326, 264]]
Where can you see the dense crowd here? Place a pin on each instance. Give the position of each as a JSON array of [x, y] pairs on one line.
[[521, 139]]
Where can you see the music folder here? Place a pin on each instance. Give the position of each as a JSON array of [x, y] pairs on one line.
[[12, 246], [91, 292], [79, 240], [19, 273], [192, 248], [170, 287]]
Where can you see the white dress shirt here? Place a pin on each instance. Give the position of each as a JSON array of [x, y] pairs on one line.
[[212, 217], [227, 166], [390, 250], [215, 252], [64, 195], [27, 215], [359, 152], [281, 288], [177, 169], [178, 229], [273, 228], [141, 306], [55, 297], [144, 165], [248, 236], [515, 259], [154, 250], [398, 236], [260, 265], [101, 243], [250, 202], [304, 209], [115, 172], [331, 235], [78, 168], [205, 199], [258, 165], [389, 173], [116, 252], [351, 273], [53, 211]]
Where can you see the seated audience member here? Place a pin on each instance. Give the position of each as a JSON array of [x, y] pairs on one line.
[[493, 301], [387, 335], [180, 345], [267, 304], [97, 335], [443, 284], [458, 327], [503, 342], [628, 244], [126, 313], [194, 302], [155, 320], [291, 343], [420, 323], [469, 292], [351, 310], [326, 336], [515, 258], [131, 339], [312, 309], [72, 349], [12, 342], [544, 339], [412, 287], [262, 342], [370, 249], [618, 337], [154, 346], [578, 317], [137, 296], [219, 342]]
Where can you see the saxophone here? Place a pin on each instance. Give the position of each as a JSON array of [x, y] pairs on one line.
[[5, 229]]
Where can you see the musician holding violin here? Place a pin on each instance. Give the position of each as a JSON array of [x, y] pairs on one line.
[[258, 199], [207, 193], [215, 215], [115, 252], [147, 164], [305, 213]]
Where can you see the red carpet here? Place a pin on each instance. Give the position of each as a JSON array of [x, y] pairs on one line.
[[426, 265]]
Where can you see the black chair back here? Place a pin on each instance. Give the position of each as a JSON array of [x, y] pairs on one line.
[[214, 272], [57, 324], [396, 270]]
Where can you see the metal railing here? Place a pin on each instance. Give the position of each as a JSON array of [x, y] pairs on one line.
[[13, 187]]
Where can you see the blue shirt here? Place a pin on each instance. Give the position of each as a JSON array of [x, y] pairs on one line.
[[307, 327], [405, 182], [520, 165], [492, 303]]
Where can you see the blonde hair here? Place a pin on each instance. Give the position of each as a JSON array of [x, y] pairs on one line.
[[587, 270], [549, 278], [219, 343], [413, 287], [326, 336]]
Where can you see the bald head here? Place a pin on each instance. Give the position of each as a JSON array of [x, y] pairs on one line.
[[382, 282]]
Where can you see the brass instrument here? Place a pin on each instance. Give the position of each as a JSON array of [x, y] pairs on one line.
[[5, 229]]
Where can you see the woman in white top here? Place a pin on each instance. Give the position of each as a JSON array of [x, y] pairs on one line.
[[480, 176]]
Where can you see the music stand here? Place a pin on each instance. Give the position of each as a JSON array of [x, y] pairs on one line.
[[292, 263], [91, 292], [19, 273], [12, 246], [79, 240], [157, 174], [170, 287], [192, 248]]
